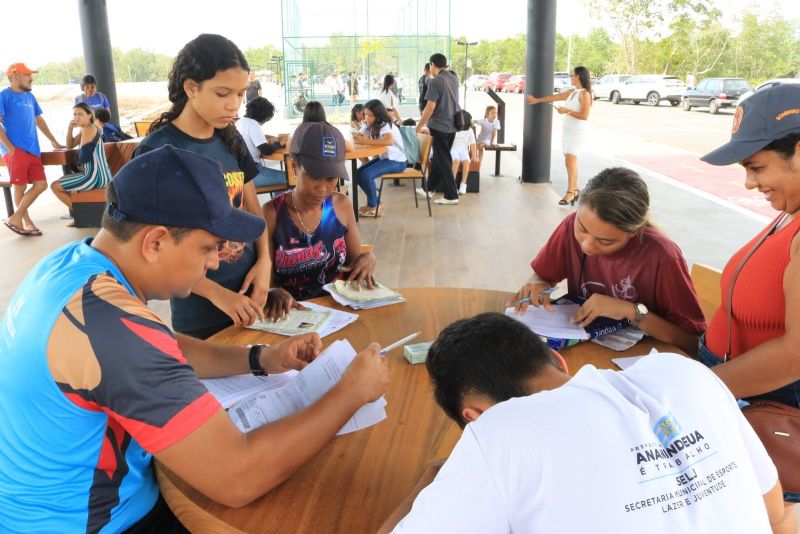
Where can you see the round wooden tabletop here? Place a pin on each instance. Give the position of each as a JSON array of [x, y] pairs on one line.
[[358, 479]]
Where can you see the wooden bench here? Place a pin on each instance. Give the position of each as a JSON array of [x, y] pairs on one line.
[[706, 282], [498, 150], [88, 207]]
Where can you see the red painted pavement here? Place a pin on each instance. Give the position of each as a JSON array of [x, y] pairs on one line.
[[724, 182]]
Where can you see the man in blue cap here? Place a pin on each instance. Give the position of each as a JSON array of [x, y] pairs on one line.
[[93, 384]]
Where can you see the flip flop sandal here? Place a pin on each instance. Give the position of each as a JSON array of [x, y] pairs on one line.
[[16, 229], [34, 232]]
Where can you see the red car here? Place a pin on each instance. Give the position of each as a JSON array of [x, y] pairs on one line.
[[496, 78], [515, 84]]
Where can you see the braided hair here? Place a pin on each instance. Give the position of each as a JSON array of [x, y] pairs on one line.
[[199, 60]]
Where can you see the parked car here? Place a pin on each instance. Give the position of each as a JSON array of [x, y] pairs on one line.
[[607, 84], [650, 88], [562, 81], [476, 81], [492, 80], [768, 83], [716, 93], [513, 84]]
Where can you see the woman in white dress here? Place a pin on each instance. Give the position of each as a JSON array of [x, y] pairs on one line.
[[577, 103]]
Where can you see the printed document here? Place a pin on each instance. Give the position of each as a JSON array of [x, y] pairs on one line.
[[308, 386], [554, 324]]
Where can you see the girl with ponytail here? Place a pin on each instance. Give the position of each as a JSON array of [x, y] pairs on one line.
[[206, 85]]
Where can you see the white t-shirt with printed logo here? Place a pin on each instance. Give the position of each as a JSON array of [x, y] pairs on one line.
[[658, 448]]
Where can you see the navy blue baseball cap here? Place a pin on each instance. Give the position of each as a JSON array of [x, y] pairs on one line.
[[321, 148], [768, 115], [177, 188]]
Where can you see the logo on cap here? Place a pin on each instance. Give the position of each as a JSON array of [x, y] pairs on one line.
[[328, 147], [786, 113], [737, 119]]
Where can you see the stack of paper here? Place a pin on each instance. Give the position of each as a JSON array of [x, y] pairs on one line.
[[347, 295], [304, 389], [319, 319], [555, 324]]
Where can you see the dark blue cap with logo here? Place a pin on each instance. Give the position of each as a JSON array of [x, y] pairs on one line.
[[768, 115], [321, 148], [177, 188]]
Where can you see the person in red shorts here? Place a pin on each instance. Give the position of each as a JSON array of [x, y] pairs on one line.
[[20, 115]]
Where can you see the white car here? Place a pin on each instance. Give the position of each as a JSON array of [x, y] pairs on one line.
[[650, 88], [768, 83], [476, 82], [561, 82], [602, 88]]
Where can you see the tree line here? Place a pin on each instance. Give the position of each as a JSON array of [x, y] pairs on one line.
[[677, 37]]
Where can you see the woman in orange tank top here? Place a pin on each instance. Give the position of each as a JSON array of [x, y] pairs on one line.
[[757, 352]]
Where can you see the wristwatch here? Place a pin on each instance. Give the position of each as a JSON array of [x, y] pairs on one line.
[[255, 365], [641, 312]]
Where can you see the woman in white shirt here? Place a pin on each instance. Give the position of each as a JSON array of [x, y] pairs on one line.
[[576, 108], [388, 98], [379, 130]]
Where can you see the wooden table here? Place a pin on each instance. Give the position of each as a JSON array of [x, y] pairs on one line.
[[359, 479], [358, 152]]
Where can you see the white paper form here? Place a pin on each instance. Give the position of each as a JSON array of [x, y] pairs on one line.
[[551, 324], [232, 389], [338, 319], [308, 386], [624, 363]]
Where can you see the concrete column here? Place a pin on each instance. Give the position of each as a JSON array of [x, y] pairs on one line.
[[97, 49], [540, 63]]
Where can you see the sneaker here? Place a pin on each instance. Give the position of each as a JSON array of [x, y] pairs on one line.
[[424, 194], [462, 189], [446, 201]]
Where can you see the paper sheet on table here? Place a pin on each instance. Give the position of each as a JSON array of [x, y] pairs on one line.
[[338, 319], [551, 324], [624, 363], [296, 322], [232, 389], [621, 339], [361, 304], [349, 292], [309, 385], [333, 321]]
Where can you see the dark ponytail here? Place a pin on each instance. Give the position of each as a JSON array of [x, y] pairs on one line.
[[199, 60]]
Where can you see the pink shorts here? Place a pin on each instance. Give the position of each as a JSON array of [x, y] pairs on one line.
[[24, 168]]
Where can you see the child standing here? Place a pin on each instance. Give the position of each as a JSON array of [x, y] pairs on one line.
[[464, 151], [488, 125]]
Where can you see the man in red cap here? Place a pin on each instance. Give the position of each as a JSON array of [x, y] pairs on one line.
[[20, 115]]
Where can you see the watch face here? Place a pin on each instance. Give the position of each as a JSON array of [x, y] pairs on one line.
[[641, 309]]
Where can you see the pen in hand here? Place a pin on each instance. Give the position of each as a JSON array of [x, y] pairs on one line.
[[397, 343], [546, 292]]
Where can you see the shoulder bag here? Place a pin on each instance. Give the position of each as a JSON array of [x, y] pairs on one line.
[[462, 119], [776, 424]]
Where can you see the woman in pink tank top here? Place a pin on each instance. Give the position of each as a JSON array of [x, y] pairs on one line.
[[757, 351]]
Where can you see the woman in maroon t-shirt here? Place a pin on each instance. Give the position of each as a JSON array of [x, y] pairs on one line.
[[612, 255]]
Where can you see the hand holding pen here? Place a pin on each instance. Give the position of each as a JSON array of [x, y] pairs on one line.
[[533, 293]]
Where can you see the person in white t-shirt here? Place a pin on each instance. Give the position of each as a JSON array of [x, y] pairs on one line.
[[660, 447], [259, 110], [388, 98], [463, 151], [487, 134], [381, 131]]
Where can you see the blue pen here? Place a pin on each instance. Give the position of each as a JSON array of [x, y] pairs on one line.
[[547, 291]]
